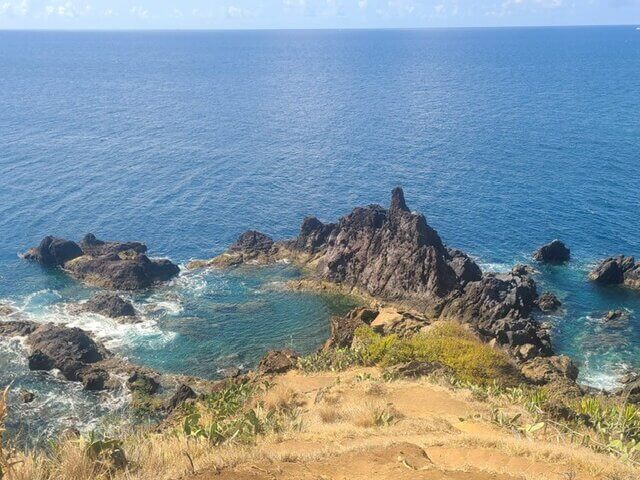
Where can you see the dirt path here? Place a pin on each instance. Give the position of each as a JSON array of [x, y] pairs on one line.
[[434, 433]]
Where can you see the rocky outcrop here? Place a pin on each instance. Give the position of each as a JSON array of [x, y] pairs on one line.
[[343, 328], [617, 271], [114, 265], [404, 324], [7, 310], [548, 302], [393, 255], [53, 252], [17, 328], [69, 350], [183, 394], [554, 253], [143, 383], [559, 373], [616, 318], [278, 361], [110, 305], [92, 246]]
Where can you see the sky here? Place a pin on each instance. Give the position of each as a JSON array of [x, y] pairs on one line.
[[259, 14]]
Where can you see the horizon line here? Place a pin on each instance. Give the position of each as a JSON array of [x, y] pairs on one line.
[[276, 29]]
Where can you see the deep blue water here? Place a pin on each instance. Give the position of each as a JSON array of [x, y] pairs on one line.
[[504, 138]]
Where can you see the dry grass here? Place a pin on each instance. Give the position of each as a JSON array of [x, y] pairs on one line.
[[350, 419]]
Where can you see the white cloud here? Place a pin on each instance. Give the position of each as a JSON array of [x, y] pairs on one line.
[[239, 12], [68, 9], [17, 8], [362, 4], [140, 12], [402, 7]]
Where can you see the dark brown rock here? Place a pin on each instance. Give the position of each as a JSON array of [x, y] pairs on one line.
[[616, 271], [94, 247], [142, 383], [53, 252], [114, 265], [314, 235], [548, 302], [122, 271], [555, 252], [252, 241], [17, 328], [69, 350], [184, 393], [278, 361], [543, 370], [110, 305], [93, 379]]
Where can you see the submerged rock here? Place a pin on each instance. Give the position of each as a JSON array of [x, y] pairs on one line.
[[555, 252], [278, 361], [110, 305], [616, 318], [617, 271], [119, 266], [548, 302]]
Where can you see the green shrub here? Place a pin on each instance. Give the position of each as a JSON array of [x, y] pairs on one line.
[[448, 343], [335, 360]]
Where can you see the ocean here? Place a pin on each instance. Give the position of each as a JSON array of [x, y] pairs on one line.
[[504, 138]]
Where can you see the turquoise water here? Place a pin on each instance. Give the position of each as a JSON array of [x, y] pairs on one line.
[[504, 138]]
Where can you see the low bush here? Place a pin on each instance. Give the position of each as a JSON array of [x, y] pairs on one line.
[[336, 360], [447, 343]]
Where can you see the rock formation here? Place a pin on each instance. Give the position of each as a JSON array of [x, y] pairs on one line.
[[548, 302], [617, 271], [110, 305], [114, 265], [394, 255], [554, 253], [278, 361], [69, 350], [53, 252]]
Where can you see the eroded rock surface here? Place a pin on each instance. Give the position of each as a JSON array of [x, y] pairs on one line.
[[617, 271], [114, 265]]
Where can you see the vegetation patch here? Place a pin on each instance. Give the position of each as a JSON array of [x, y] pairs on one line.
[[447, 343]]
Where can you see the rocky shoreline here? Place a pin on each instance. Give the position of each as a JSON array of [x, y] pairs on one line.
[[391, 258]]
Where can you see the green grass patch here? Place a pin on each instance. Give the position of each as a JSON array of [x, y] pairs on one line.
[[447, 343]]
